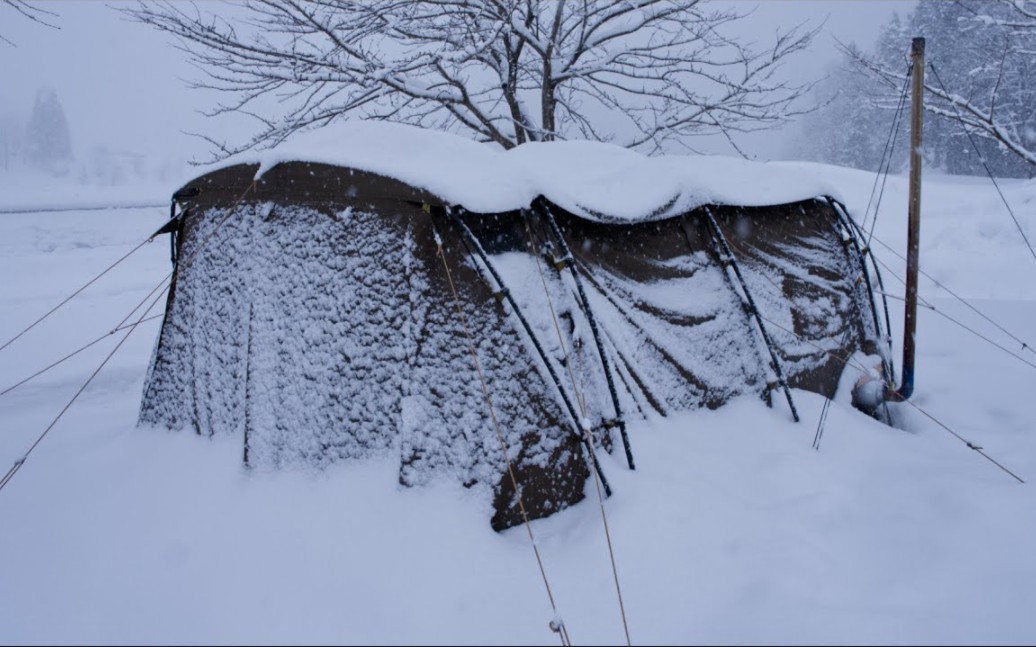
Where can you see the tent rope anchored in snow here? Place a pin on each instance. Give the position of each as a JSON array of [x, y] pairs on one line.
[[558, 626], [319, 323]]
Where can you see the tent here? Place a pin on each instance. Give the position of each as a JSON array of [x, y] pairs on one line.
[[382, 290]]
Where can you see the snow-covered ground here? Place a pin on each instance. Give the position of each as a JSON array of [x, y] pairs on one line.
[[732, 529]]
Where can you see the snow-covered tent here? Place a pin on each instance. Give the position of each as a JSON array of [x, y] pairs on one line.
[[380, 289]]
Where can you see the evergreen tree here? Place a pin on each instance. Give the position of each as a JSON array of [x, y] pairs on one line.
[[853, 127], [974, 56], [47, 140]]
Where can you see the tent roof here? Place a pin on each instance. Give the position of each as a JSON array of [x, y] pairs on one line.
[[594, 180]]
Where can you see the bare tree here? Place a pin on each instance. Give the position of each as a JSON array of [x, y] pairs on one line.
[[637, 72], [992, 97], [33, 12]]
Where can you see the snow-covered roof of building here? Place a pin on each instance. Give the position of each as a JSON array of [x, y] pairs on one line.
[[594, 180]]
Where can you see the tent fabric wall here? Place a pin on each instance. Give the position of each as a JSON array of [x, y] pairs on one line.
[[312, 316]]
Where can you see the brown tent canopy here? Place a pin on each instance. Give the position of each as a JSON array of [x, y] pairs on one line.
[[326, 313]]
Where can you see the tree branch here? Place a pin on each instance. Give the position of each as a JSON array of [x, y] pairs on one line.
[[656, 69]]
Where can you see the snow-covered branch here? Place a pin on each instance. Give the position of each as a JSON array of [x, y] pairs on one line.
[[638, 72], [983, 86]]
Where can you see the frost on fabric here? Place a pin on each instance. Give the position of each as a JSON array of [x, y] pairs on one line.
[[322, 337], [806, 286], [449, 426], [286, 326], [550, 305], [678, 340]]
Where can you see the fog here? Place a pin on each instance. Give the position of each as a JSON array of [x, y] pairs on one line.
[[124, 86]]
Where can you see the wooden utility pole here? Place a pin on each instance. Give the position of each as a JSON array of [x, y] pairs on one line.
[[914, 219]]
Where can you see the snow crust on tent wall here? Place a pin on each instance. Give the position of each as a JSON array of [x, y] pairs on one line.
[[673, 320], [805, 285], [594, 180], [327, 337], [236, 315], [687, 351]]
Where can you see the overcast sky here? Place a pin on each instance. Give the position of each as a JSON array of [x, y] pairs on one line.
[[121, 83]]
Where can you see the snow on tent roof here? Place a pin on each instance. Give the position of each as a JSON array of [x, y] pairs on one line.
[[594, 180]]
